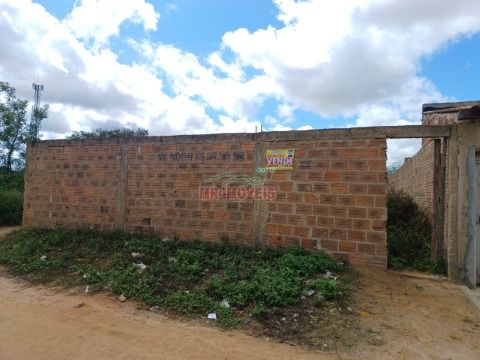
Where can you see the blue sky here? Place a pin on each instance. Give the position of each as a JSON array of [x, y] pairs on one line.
[[196, 66]]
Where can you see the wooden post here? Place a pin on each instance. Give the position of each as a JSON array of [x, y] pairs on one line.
[[442, 199], [436, 224]]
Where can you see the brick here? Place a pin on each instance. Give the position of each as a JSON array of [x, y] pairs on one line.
[[365, 200], [376, 236], [333, 153], [338, 211], [284, 230], [357, 189], [319, 233], [325, 222], [294, 197], [303, 187], [272, 207], [309, 244], [341, 143], [296, 220], [285, 208], [347, 246], [321, 187], [380, 201], [321, 165], [356, 235], [180, 203], [316, 153], [285, 186], [379, 164], [301, 231], [357, 212], [339, 188], [275, 240], [279, 175], [346, 200], [377, 213], [329, 245], [374, 189], [355, 259], [357, 165], [364, 153], [379, 225], [350, 176], [332, 176], [328, 199], [360, 224], [303, 209], [310, 198], [321, 210], [365, 248], [314, 176], [291, 241], [269, 229], [337, 234], [368, 177], [343, 223], [279, 218], [339, 164]]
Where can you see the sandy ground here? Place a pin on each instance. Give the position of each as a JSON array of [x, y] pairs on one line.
[[404, 317]]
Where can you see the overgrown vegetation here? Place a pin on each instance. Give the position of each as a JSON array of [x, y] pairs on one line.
[[238, 283], [409, 236], [107, 133], [11, 197]]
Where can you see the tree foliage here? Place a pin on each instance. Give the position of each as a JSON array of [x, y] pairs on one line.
[[106, 134], [15, 129]]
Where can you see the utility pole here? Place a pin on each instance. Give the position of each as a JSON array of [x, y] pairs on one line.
[[35, 120]]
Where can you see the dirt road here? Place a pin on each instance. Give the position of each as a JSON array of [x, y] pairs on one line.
[[410, 318], [399, 318]]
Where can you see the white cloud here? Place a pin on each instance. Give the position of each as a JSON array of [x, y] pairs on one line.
[[98, 20], [333, 57], [305, 127], [286, 112], [188, 76]]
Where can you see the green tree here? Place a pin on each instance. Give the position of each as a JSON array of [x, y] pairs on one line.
[[105, 134], [15, 130]]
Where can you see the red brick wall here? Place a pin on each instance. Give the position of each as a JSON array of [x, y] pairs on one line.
[[72, 186], [416, 176], [333, 199]]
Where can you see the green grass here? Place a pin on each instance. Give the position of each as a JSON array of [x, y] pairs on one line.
[[187, 278], [409, 236]]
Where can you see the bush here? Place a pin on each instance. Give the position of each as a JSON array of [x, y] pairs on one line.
[[11, 181], [409, 235], [11, 207]]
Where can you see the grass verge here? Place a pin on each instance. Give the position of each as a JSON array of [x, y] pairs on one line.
[[272, 291]]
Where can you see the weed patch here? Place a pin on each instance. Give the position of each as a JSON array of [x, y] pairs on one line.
[[240, 285]]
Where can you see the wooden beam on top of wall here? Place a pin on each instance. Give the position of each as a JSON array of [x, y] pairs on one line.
[[417, 131], [374, 132]]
